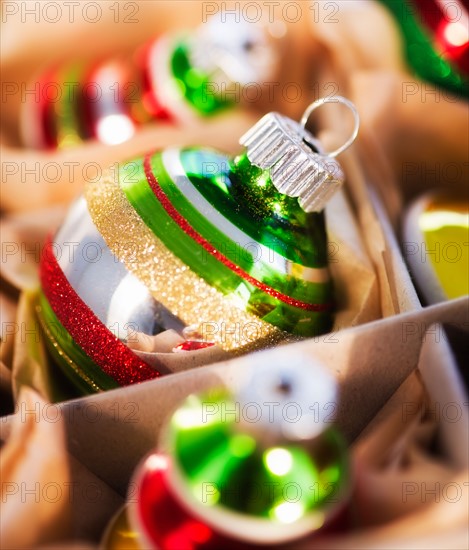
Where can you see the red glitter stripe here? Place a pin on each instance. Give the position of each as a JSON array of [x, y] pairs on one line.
[[98, 342], [189, 230]]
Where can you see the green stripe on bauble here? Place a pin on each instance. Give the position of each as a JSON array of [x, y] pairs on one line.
[[61, 346], [68, 118], [253, 203], [293, 319]]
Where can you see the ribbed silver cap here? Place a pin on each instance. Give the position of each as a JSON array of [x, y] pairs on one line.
[[295, 397], [281, 145]]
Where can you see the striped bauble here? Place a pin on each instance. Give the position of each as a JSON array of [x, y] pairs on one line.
[[176, 77], [182, 239]]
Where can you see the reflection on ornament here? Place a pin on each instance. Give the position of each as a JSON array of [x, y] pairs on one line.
[[114, 129], [224, 479], [456, 34], [229, 252], [173, 78], [436, 235]]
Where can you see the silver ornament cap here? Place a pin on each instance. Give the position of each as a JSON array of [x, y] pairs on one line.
[[298, 165], [233, 52], [293, 396]]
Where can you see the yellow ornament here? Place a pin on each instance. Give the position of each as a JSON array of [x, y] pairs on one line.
[[436, 245]]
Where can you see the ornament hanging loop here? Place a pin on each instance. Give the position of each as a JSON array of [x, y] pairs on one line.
[[323, 101], [298, 166]]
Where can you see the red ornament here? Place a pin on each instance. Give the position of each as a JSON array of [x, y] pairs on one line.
[[447, 24], [163, 522]]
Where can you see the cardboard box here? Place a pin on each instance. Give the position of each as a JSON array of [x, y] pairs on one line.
[[108, 434], [374, 347]]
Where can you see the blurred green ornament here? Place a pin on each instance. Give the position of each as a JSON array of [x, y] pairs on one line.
[[265, 464], [436, 41]]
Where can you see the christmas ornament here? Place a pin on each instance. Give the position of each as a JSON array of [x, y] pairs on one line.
[[436, 40], [119, 535], [174, 78], [435, 235], [225, 251], [263, 466]]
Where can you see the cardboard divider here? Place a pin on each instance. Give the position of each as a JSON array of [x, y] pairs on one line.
[[449, 402], [412, 460], [111, 432], [397, 292]]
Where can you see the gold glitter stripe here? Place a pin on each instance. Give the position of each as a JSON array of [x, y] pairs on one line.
[[215, 316]]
